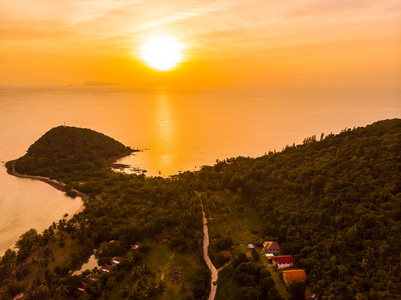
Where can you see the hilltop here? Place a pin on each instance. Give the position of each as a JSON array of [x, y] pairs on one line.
[[63, 151]]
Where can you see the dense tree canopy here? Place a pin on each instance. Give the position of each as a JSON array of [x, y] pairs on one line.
[[121, 210], [334, 204], [67, 150]]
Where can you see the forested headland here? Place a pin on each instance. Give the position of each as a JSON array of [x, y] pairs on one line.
[[333, 202], [122, 211], [68, 153]]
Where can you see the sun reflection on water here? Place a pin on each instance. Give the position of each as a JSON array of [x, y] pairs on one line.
[[165, 131]]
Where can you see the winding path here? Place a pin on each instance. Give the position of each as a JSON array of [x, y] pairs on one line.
[[213, 279], [213, 270]]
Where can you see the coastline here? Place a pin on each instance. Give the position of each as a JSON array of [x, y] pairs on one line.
[[113, 159], [80, 209], [10, 166], [46, 217], [10, 169]]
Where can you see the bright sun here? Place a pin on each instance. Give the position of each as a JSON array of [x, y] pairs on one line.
[[161, 52]]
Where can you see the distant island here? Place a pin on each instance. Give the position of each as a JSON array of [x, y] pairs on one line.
[[331, 206], [97, 83]]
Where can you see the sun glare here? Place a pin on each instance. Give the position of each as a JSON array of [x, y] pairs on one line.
[[161, 52]]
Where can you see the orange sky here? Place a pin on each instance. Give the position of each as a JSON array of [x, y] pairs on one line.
[[279, 43]]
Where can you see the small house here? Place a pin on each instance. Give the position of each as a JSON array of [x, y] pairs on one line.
[[269, 256], [284, 261], [82, 287], [251, 246], [227, 254], [106, 268], [136, 246], [115, 261], [161, 238], [271, 247], [291, 275]]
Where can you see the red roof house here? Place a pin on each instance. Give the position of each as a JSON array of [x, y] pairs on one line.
[[115, 261], [284, 261], [82, 287]]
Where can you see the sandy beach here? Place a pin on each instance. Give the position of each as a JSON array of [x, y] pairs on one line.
[[54, 183]]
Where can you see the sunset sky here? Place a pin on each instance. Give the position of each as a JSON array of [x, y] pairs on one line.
[[277, 43]]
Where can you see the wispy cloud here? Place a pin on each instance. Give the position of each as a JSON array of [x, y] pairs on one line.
[[89, 10], [180, 16], [215, 30]]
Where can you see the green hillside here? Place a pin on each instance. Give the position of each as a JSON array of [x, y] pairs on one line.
[[64, 150], [334, 204]]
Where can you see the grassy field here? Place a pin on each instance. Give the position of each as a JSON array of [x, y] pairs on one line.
[[157, 257], [243, 225], [178, 276], [178, 269]]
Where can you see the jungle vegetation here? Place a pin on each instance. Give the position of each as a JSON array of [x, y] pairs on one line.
[[333, 203]]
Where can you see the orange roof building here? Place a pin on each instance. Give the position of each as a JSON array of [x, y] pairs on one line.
[[271, 247], [227, 254], [290, 276]]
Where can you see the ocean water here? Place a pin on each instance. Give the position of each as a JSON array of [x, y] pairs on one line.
[[179, 130]]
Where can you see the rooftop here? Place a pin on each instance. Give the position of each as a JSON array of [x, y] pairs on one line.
[[294, 275], [271, 245], [285, 259]]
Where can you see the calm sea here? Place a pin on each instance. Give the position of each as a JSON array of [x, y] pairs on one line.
[[181, 131]]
